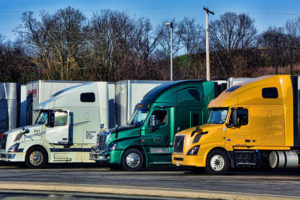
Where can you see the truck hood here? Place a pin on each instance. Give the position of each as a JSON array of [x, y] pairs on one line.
[[17, 135], [206, 133], [123, 128], [124, 132], [202, 129]]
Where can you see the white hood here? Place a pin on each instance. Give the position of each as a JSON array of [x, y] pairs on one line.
[[35, 132]]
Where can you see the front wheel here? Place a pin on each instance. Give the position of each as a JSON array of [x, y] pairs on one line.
[[132, 160], [36, 158], [217, 162]]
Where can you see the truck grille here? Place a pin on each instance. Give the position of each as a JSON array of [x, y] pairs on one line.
[[178, 144], [3, 142], [101, 140]]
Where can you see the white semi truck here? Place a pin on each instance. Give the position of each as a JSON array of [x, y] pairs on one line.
[[65, 129]]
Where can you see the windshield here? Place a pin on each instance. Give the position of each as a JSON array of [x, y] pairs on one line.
[[217, 115], [42, 117], [138, 117]]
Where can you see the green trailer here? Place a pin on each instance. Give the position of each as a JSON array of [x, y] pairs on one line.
[[147, 140]]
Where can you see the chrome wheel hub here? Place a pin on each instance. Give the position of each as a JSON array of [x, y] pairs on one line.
[[36, 158], [133, 160], [217, 163]]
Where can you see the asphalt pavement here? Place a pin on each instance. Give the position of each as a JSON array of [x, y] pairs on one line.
[[276, 183]]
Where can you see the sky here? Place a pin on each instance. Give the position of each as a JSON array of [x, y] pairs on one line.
[[266, 13]]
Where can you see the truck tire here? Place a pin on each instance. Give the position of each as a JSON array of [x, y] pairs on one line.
[[36, 158], [217, 162], [132, 160]]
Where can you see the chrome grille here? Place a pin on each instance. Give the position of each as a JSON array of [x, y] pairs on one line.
[[101, 140], [178, 144]]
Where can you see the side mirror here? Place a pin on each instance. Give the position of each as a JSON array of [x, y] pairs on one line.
[[152, 120], [234, 117], [25, 130], [51, 119]]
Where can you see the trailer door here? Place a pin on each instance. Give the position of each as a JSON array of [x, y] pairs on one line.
[[58, 132]]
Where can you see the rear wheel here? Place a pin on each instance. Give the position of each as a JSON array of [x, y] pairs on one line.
[[217, 162], [132, 160], [36, 158]]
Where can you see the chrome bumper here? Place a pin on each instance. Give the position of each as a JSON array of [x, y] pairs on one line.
[[99, 155]]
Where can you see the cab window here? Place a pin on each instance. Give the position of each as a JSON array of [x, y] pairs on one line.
[[160, 117], [60, 118], [242, 117]]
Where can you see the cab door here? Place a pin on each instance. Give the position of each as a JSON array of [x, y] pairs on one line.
[[57, 131], [158, 137], [239, 134]]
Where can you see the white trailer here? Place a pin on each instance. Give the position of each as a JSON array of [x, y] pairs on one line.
[[39, 91], [9, 106], [65, 129], [128, 94], [234, 81]]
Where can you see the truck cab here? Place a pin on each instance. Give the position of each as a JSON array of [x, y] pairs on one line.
[[147, 140], [64, 131], [252, 124]]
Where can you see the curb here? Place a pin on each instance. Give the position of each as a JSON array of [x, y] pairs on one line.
[[130, 190]]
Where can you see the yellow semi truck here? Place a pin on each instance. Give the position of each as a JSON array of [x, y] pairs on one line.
[[252, 124]]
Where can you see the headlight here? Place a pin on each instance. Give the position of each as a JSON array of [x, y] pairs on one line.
[[112, 146], [14, 148], [194, 150]]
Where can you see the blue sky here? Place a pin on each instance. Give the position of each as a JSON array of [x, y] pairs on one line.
[[265, 12]]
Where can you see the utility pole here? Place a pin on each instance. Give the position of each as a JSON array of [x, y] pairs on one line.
[[170, 24], [291, 60], [276, 56], [207, 44]]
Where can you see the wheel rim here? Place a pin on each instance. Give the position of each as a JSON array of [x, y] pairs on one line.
[[36, 158], [217, 163], [133, 160]]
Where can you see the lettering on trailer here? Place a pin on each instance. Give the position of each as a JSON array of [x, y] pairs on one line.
[[90, 136]]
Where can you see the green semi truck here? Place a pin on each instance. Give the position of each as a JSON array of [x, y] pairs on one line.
[[147, 140]]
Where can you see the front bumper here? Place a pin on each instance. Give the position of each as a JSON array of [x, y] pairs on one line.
[[12, 157], [99, 156], [111, 157], [192, 160]]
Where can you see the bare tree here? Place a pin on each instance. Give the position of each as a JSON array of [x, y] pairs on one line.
[[293, 30], [233, 31], [229, 33], [55, 41]]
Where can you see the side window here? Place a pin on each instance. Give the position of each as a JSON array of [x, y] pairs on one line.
[[60, 118], [270, 93], [160, 117], [87, 97], [242, 116]]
